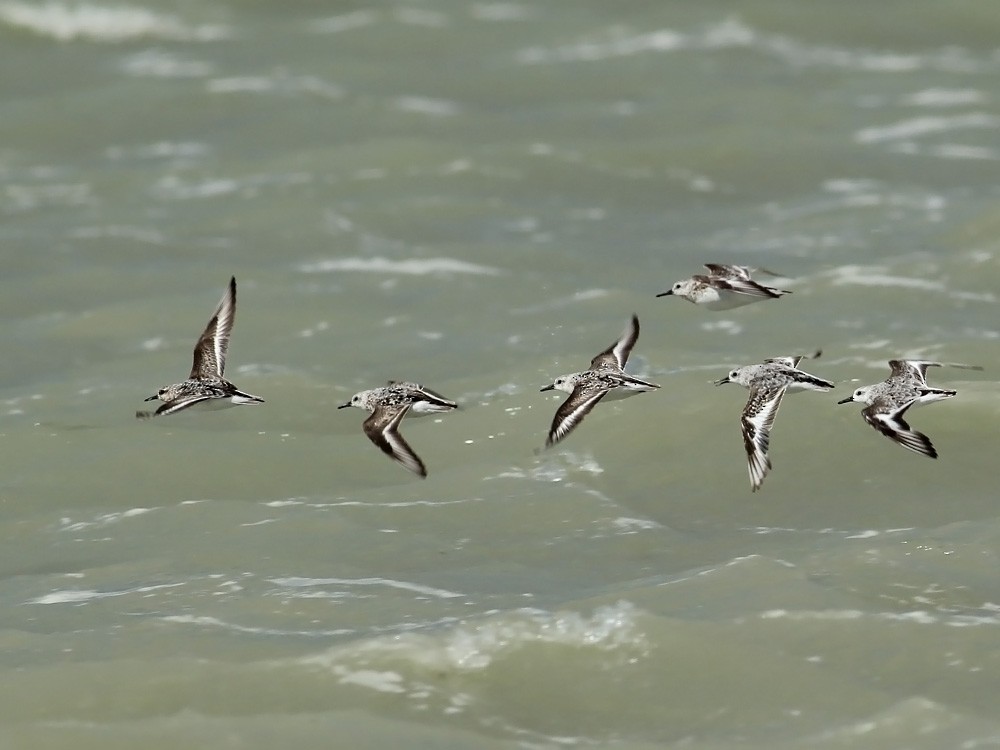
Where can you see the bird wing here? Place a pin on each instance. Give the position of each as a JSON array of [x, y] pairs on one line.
[[210, 351], [889, 421], [616, 355], [756, 421], [572, 411], [382, 428]]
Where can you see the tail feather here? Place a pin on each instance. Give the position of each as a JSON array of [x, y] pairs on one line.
[[814, 383]]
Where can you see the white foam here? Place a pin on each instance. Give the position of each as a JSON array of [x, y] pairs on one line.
[[413, 267], [383, 682], [158, 64], [215, 622], [474, 644], [916, 617], [619, 45], [160, 150], [585, 462], [104, 520], [827, 614], [867, 534], [344, 22], [98, 23], [873, 276], [938, 97], [30, 197], [171, 187], [500, 12], [634, 525], [734, 34], [284, 84], [413, 16], [423, 105], [71, 597], [81, 596], [848, 185], [726, 326], [963, 151], [299, 582], [918, 126]]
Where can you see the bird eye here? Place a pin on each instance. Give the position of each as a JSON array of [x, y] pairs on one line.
[[677, 285], [355, 399], [858, 393], [161, 392], [734, 374]]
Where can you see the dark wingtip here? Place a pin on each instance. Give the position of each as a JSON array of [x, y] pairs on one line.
[[143, 415]]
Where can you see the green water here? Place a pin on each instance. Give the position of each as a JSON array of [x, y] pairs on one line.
[[476, 196]]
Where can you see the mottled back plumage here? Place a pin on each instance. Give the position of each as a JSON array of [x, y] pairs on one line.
[[605, 378], [906, 387], [724, 287], [206, 384], [388, 405], [768, 382]]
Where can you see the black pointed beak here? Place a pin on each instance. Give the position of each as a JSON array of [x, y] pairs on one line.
[[152, 398], [344, 406], [549, 387], [721, 382], [847, 400], [667, 293]]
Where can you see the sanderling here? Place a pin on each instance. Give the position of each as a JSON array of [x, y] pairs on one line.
[[905, 387], [725, 287], [388, 405], [768, 382], [606, 377], [205, 384]]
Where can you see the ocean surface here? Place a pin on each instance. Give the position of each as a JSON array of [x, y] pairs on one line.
[[476, 196]]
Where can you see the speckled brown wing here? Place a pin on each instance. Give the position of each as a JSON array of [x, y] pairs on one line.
[[887, 417], [756, 422], [382, 428], [210, 351], [572, 411], [616, 355]]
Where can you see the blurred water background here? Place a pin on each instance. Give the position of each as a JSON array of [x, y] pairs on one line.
[[476, 196]]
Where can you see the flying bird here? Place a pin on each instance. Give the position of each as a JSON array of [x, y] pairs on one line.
[[606, 378], [906, 387], [768, 383], [388, 405], [206, 384], [724, 287]]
